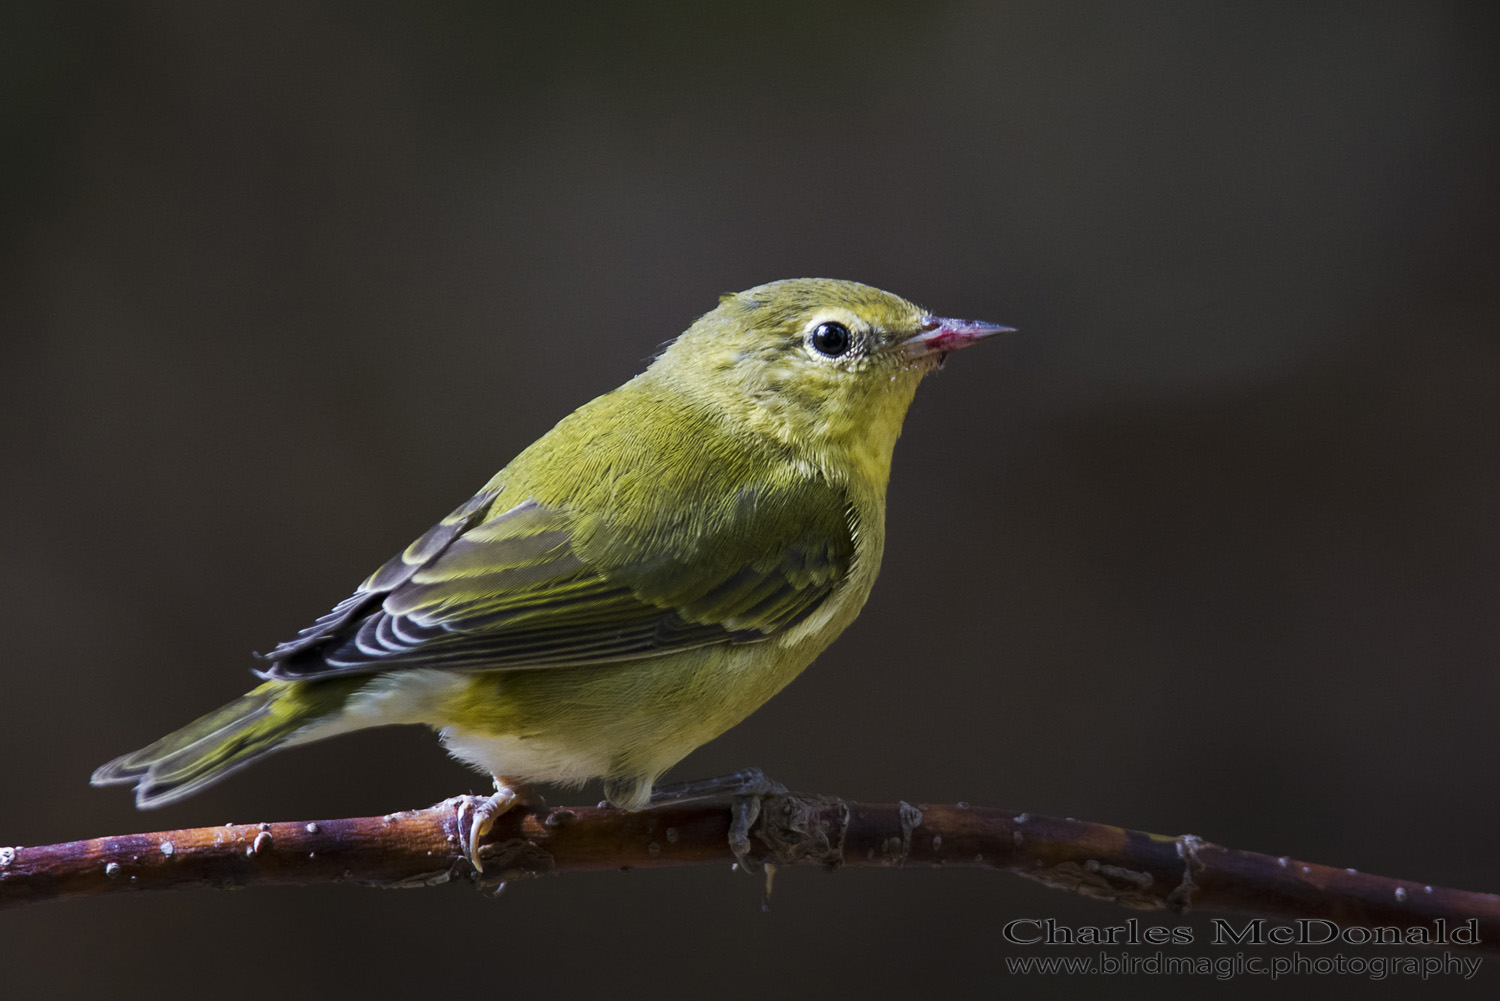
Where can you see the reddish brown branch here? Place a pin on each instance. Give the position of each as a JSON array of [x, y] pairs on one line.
[[419, 847]]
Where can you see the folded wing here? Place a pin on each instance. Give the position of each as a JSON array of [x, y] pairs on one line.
[[530, 586]]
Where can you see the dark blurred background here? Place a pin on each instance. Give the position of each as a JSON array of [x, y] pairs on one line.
[[1210, 545]]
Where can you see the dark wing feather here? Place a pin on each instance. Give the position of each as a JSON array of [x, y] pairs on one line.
[[526, 588], [395, 572]]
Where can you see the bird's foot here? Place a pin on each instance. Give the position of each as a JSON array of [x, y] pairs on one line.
[[483, 811], [744, 791]]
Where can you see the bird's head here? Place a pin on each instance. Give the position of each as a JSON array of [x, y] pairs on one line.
[[827, 367]]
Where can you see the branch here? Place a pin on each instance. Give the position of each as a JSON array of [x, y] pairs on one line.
[[421, 848]]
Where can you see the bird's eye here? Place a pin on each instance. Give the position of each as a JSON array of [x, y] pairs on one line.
[[831, 339]]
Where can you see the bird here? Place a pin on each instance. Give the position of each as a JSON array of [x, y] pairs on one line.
[[634, 583]]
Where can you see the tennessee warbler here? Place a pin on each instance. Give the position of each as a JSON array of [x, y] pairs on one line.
[[634, 583]]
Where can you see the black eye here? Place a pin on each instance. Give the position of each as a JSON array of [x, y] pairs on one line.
[[831, 339]]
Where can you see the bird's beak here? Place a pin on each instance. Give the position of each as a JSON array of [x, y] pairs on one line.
[[940, 335]]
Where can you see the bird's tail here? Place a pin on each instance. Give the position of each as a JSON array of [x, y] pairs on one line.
[[209, 748]]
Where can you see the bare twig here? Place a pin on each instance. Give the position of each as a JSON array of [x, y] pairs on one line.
[[421, 847]]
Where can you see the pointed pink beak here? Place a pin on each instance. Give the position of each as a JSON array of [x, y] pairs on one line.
[[943, 335]]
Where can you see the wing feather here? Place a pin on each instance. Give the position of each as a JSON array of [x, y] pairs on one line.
[[523, 588]]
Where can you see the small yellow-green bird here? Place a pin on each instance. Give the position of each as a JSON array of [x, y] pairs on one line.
[[636, 582]]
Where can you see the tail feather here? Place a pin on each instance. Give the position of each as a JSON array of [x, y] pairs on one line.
[[213, 746]]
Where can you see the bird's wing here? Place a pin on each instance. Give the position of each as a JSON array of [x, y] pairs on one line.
[[532, 587]]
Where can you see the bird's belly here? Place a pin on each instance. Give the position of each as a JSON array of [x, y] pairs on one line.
[[529, 759], [569, 725]]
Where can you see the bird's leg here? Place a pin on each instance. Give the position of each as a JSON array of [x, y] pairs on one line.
[[486, 810], [744, 791], [749, 782]]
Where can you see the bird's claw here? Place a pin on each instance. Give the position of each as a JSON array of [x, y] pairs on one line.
[[482, 812], [743, 790], [745, 811]]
